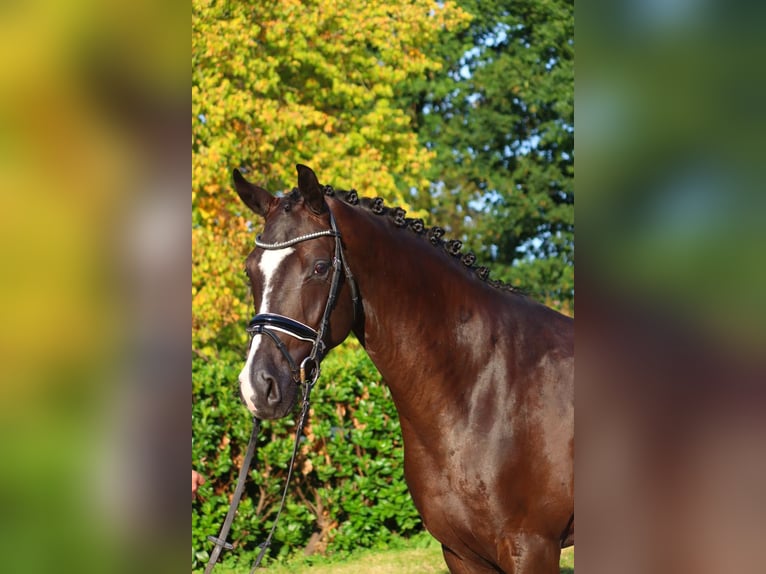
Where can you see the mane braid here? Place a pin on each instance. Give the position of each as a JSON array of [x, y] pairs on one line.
[[434, 235]]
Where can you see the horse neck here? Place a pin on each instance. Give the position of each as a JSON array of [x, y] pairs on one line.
[[413, 298]]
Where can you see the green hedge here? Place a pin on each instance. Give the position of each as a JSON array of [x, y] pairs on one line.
[[348, 490]]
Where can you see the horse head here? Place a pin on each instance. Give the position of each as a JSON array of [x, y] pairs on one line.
[[302, 297]]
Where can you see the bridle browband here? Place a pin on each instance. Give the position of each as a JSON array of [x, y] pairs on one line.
[[306, 375], [301, 238], [270, 323]]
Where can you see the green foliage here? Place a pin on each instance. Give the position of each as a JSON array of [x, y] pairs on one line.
[[348, 490], [500, 117]]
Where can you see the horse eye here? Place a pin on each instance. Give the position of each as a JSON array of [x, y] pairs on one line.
[[321, 267]]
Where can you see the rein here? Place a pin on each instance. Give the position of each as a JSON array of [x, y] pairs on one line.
[[306, 375]]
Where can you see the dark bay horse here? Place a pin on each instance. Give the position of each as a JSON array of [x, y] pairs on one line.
[[482, 376]]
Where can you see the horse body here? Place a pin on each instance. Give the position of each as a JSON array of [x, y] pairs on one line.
[[482, 380], [479, 377]]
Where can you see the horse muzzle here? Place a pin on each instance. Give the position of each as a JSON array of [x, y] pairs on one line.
[[268, 392]]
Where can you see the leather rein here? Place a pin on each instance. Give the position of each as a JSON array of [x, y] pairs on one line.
[[306, 375]]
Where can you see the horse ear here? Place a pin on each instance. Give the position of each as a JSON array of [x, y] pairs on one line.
[[310, 190], [256, 198]]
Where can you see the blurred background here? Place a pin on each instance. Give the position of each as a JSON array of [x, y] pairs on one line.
[[671, 316], [94, 244]]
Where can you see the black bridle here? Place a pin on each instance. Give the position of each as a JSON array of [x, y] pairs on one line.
[[306, 375], [271, 323]]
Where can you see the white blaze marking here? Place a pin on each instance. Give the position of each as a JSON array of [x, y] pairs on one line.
[[268, 266]]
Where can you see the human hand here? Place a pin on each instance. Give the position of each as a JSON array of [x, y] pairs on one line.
[[197, 481]]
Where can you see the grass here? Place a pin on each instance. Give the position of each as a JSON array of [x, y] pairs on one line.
[[407, 560]]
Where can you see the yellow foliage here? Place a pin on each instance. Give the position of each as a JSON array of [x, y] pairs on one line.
[[290, 81]]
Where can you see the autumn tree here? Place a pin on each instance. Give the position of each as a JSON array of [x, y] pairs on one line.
[[499, 116], [289, 81]]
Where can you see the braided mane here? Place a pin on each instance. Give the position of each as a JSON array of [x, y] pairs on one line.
[[434, 235]]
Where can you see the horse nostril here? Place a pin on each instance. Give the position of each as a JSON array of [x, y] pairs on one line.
[[269, 384]]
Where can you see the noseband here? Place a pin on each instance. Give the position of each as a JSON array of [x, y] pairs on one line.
[[271, 323]]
